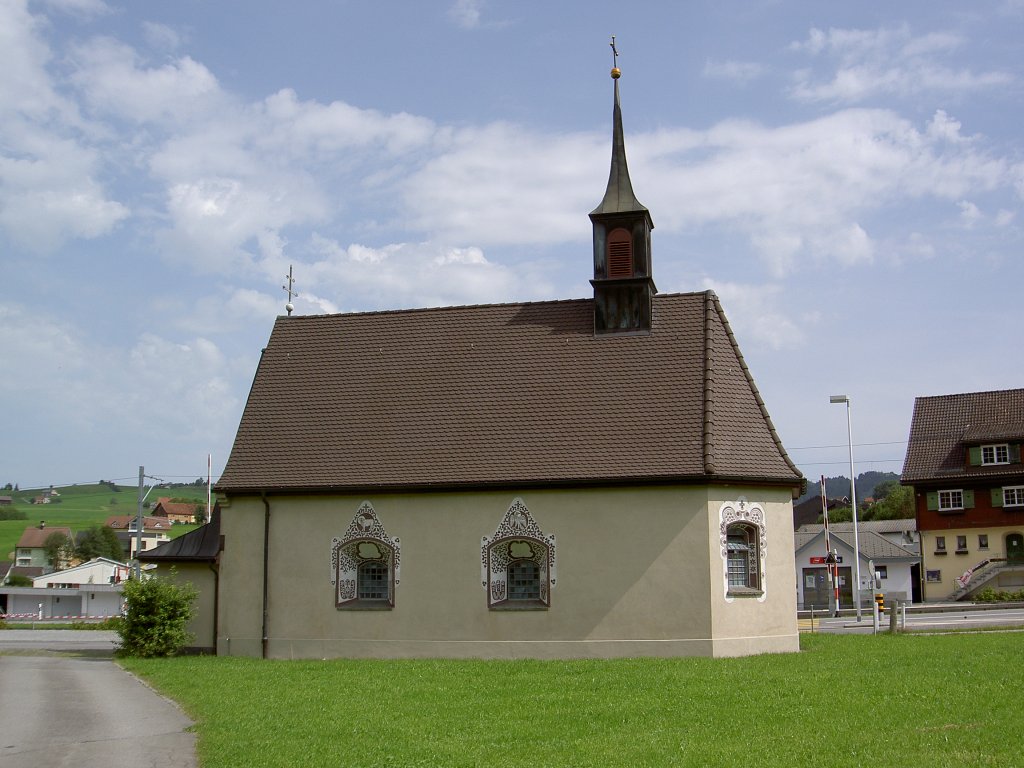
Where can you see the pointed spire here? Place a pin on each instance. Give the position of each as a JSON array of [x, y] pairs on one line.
[[618, 197]]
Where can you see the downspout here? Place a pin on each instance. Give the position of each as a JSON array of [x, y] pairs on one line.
[[215, 568], [266, 567]]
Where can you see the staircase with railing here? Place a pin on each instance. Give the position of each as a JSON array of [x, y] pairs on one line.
[[981, 574]]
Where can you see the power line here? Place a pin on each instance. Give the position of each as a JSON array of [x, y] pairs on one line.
[[844, 445]]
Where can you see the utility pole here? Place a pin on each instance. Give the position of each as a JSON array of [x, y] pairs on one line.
[[138, 524]]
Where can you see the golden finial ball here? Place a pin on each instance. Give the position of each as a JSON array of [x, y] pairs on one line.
[[616, 73]]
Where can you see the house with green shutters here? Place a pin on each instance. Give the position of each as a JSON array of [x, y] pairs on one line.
[[964, 463]]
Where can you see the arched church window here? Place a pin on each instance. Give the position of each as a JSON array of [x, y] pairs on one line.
[[365, 563], [743, 540], [518, 562]]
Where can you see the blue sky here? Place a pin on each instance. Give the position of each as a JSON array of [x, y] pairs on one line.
[[847, 177]]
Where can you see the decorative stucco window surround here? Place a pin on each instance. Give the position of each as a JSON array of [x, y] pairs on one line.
[[365, 564], [520, 548], [742, 535]]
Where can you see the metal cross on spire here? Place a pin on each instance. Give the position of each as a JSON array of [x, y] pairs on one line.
[[615, 62], [292, 293]]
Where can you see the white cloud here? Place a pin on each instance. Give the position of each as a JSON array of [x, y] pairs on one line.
[[50, 190], [156, 384], [808, 190], [885, 61], [113, 79], [757, 314], [414, 275], [500, 184], [466, 13], [80, 8], [161, 37], [737, 71]]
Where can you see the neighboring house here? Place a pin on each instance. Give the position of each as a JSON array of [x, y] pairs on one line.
[[6, 501], [898, 567], [31, 547], [154, 532], [99, 570], [89, 590], [194, 557], [964, 463], [585, 478], [174, 511]]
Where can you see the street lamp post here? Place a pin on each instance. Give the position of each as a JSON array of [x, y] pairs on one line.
[[853, 501]]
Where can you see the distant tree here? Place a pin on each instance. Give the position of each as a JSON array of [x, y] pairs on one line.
[[58, 549], [8, 487], [18, 580], [898, 504], [838, 515], [884, 488], [12, 513], [99, 541], [200, 514]]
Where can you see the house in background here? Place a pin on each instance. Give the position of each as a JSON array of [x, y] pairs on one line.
[[30, 551], [964, 463], [881, 544], [584, 478], [87, 591], [154, 531], [175, 511]]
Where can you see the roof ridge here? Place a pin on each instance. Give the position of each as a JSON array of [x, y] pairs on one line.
[[708, 386], [717, 305]]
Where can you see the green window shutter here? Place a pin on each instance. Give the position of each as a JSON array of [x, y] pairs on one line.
[[1015, 453], [974, 455], [933, 500], [997, 497], [968, 499]]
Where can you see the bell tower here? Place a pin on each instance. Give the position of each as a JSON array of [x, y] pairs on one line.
[[622, 281]]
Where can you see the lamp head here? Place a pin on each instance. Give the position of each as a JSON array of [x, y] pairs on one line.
[[839, 399]]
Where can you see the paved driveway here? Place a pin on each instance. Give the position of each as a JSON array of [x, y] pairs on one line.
[[77, 708]]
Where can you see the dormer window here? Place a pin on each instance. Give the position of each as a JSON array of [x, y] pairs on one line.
[[995, 454], [620, 253]]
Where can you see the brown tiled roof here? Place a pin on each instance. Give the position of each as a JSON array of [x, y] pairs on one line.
[[506, 394], [169, 509], [943, 427], [36, 536]]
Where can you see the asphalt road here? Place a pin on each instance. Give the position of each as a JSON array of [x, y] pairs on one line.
[[63, 702], [936, 621]]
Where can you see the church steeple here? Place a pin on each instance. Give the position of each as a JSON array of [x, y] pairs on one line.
[[622, 282]]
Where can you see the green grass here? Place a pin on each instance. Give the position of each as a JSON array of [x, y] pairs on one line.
[[950, 700], [81, 507]]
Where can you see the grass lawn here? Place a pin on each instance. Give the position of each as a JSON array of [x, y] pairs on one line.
[[904, 700]]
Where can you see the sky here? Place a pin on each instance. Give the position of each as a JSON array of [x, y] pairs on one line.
[[847, 177]]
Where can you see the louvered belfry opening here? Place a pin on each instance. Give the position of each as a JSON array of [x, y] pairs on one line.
[[620, 253]]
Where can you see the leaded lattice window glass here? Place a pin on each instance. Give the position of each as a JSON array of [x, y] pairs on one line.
[[373, 580], [523, 580]]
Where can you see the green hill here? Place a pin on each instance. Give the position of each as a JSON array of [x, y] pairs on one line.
[[79, 507]]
